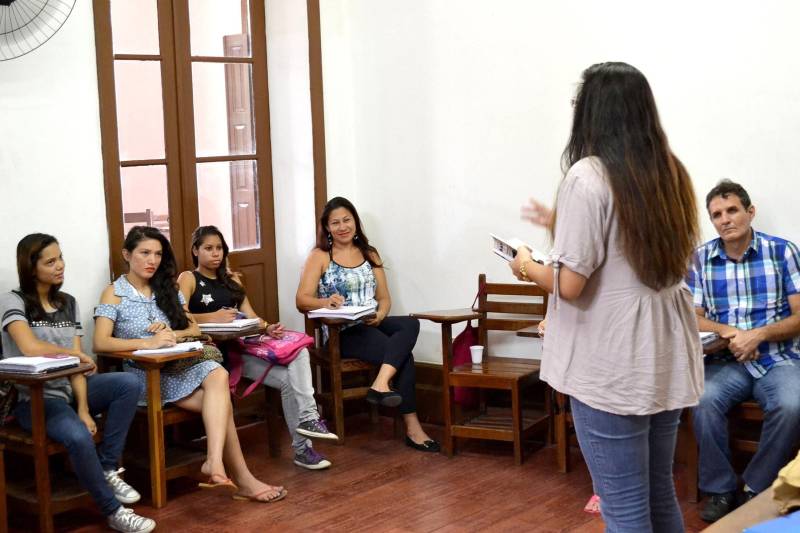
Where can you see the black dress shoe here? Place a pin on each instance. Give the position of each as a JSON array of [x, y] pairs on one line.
[[718, 505], [386, 399], [427, 446]]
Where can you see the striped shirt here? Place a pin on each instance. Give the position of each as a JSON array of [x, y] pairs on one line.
[[750, 293]]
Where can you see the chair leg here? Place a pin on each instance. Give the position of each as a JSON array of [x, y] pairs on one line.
[[516, 421], [273, 400], [373, 414], [338, 402], [562, 440]]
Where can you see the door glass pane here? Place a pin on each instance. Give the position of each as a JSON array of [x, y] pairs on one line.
[[227, 194], [134, 26], [140, 110], [223, 109], [220, 28], [145, 197]]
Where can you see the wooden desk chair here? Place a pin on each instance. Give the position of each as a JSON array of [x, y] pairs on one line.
[[41, 495], [328, 360], [745, 414], [496, 372]]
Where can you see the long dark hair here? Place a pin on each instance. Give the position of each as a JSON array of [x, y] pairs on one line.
[[198, 236], [616, 120], [360, 240], [29, 251], [163, 281]]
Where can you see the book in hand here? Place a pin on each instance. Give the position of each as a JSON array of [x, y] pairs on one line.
[[708, 337], [507, 249], [181, 347], [347, 312], [236, 325], [38, 364]]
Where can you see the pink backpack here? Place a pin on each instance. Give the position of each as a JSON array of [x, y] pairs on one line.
[[466, 396], [274, 351]]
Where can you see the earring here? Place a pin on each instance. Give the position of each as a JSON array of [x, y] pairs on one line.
[[355, 238], [330, 240]]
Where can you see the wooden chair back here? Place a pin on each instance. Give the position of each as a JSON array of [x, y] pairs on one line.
[[527, 308]]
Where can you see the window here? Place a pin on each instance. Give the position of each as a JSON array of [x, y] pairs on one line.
[[185, 128]]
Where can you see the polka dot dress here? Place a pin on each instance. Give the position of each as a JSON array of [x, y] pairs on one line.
[[131, 318]]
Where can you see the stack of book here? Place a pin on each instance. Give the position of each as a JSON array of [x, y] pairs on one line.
[[236, 325], [38, 364], [348, 312]]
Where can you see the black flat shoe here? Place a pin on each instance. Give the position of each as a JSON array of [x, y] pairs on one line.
[[386, 399], [427, 446]]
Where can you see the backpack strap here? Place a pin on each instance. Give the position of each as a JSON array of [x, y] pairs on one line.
[[235, 365]]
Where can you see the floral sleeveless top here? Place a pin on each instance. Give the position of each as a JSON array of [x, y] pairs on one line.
[[356, 284]]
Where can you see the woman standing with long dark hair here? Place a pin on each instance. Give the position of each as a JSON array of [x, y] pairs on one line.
[[623, 230], [144, 309]]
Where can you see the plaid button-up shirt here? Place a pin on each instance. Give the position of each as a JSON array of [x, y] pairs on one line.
[[750, 293]]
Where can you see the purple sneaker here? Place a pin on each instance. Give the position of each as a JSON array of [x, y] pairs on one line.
[[309, 458], [316, 429]]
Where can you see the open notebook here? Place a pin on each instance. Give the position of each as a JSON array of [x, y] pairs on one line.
[[178, 348], [348, 312], [236, 325]]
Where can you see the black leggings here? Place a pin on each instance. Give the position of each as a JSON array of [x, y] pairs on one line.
[[391, 343]]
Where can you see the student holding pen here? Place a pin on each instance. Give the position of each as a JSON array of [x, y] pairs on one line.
[[143, 309], [216, 295]]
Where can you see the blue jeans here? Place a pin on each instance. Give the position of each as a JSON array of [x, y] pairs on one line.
[[116, 394], [630, 460], [728, 384]]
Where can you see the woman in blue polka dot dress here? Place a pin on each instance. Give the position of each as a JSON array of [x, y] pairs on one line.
[[143, 309]]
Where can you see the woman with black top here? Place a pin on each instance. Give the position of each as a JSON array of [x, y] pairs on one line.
[[216, 295]]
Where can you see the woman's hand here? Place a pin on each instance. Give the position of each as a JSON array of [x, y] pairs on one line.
[[275, 330], [157, 326], [88, 421], [541, 327], [536, 213], [335, 301], [89, 361], [224, 315], [164, 338], [376, 320], [523, 257]]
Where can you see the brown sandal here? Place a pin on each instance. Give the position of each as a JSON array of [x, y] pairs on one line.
[[257, 497]]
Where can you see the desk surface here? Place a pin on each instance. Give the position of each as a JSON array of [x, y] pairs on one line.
[[448, 315], [150, 358], [26, 379]]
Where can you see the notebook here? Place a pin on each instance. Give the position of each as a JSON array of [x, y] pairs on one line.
[[236, 325], [348, 312], [38, 364], [181, 347]]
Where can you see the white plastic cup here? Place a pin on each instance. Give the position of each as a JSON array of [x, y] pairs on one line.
[[477, 354]]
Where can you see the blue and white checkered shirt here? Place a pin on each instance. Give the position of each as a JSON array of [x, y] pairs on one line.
[[750, 293]]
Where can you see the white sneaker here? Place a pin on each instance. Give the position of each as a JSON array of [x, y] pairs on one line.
[[126, 521], [122, 491]]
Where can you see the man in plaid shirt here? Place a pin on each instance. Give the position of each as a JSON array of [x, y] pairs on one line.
[[746, 287]]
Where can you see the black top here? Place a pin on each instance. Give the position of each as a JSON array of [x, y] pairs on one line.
[[209, 295]]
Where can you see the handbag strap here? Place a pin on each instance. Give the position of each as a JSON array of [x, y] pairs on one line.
[[235, 365]]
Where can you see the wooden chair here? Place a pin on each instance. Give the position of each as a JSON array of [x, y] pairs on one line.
[[744, 414], [40, 496], [327, 359], [3, 508], [563, 429], [495, 372]]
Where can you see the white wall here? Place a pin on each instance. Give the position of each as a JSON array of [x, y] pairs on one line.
[[51, 175], [442, 117], [292, 157]]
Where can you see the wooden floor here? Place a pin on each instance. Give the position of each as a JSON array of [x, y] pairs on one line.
[[378, 484]]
